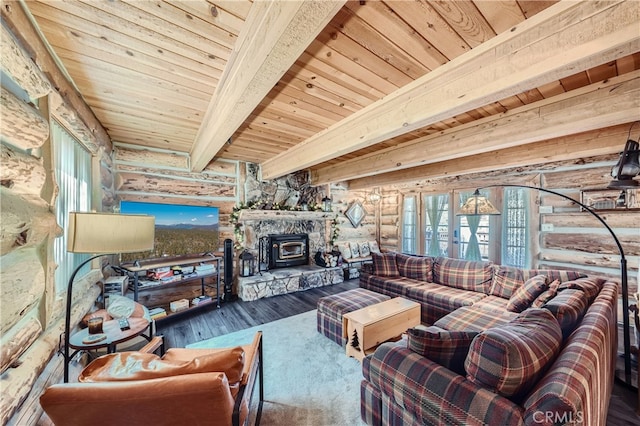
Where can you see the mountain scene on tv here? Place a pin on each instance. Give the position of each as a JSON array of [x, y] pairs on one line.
[[179, 229]]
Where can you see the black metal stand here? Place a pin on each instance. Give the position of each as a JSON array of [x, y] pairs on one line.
[[67, 318]]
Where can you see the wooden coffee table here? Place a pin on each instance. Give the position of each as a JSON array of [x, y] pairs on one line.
[[378, 323]]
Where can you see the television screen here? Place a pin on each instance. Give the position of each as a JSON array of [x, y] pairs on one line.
[[179, 229]]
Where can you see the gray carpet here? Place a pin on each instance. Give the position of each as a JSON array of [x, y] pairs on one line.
[[308, 379]]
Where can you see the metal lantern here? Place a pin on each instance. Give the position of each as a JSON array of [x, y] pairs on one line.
[[247, 263], [326, 204]]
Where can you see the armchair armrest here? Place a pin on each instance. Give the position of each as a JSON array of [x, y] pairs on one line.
[[153, 345], [433, 393]]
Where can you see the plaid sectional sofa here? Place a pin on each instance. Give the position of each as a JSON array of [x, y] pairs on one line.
[[498, 345]]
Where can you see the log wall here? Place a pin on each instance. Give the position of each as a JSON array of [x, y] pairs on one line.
[[32, 312], [163, 176]]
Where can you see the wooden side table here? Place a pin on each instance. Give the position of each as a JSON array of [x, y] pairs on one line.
[[113, 336], [368, 327]]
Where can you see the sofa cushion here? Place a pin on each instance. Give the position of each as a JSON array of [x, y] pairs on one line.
[[507, 278], [447, 348], [526, 293], [463, 274], [546, 295], [472, 318], [439, 300], [384, 265], [126, 366], [568, 307], [591, 286], [415, 267], [510, 359]]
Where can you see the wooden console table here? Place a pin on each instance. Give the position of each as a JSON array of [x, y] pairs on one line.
[[378, 323]]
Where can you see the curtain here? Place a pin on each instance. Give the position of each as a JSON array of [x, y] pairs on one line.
[[473, 248], [434, 212]]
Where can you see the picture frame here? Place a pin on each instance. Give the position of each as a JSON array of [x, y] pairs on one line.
[[609, 199], [355, 213]]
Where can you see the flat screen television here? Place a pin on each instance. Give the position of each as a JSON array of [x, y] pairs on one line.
[[179, 229]]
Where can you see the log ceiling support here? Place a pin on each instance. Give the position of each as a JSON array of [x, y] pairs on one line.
[[558, 42], [20, 24], [566, 148], [596, 106], [277, 33]]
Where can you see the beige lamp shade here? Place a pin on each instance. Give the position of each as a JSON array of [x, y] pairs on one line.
[[477, 205], [109, 233]]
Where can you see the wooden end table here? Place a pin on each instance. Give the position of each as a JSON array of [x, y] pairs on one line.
[[378, 323], [113, 335]]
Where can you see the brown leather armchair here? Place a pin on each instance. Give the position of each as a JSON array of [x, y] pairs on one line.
[[184, 386]]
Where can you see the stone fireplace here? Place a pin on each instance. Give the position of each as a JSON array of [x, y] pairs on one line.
[[297, 236]]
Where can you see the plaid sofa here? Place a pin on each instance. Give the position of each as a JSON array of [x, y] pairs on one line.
[[403, 387]]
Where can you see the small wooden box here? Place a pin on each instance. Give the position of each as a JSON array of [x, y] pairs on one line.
[[378, 323]]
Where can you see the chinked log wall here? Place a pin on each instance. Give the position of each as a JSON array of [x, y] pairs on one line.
[[32, 314], [162, 176], [578, 241]]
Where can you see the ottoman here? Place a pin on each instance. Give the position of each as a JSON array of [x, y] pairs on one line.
[[331, 308]]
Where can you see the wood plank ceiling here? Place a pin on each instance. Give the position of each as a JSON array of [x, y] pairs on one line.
[[149, 69]]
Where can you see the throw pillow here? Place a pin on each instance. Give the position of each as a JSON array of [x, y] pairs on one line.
[[123, 307], [525, 294], [511, 358], [415, 267], [384, 265], [364, 249], [546, 295], [591, 286], [355, 250], [568, 307], [345, 250], [373, 247], [447, 348]]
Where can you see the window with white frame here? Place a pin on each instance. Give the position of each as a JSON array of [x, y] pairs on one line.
[[409, 225], [72, 163], [436, 227], [475, 235], [515, 245]]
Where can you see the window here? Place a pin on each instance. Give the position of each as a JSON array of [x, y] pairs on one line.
[[409, 225], [474, 233], [516, 228], [73, 174], [436, 229]]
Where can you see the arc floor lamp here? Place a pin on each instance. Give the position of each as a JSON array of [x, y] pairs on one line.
[[102, 234], [478, 205]]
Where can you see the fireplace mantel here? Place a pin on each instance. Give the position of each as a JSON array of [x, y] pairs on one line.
[[248, 215]]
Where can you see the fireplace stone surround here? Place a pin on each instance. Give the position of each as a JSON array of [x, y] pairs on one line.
[[261, 223]]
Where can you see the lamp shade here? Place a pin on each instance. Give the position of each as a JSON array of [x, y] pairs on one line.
[[109, 233], [477, 205]]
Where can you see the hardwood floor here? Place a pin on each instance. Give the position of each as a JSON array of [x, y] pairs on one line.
[[238, 315]]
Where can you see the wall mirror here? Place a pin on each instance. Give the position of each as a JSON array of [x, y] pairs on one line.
[[355, 213]]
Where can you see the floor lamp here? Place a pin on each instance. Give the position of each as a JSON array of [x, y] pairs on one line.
[[102, 234], [478, 205]]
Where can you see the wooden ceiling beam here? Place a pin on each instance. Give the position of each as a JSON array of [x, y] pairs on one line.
[[567, 148], [20, 25], [275, 34], [599, 105], [556, 43]]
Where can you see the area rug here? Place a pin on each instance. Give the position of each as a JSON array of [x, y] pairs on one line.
[[308, 379]]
